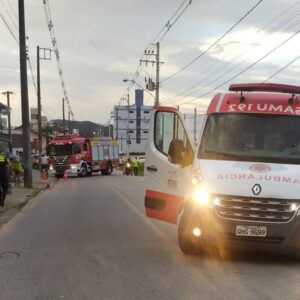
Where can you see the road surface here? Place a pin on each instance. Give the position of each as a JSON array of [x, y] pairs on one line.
[[88, 238]]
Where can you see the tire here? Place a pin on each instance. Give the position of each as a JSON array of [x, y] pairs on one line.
[[188, 243], [83, 171], [109, 169]]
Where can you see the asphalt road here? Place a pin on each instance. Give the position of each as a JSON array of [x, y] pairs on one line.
[[88, 238]]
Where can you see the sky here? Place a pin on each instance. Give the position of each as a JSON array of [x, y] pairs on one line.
[[101, 43]]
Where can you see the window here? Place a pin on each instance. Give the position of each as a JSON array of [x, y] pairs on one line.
[[146, 112], [170, 138], [251, 137], [131, 112], [145, 131], [131, 131], [131, 121]]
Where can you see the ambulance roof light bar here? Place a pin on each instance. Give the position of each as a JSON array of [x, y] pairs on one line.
[[265, 87]]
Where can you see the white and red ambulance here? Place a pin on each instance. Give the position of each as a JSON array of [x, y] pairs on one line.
[[241, 186]]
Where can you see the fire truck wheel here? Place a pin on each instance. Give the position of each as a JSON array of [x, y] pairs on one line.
[[187, 242], [109, 169], [83, 171]]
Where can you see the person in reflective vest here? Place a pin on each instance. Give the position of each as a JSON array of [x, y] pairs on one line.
[[3, 179], [135, 166]]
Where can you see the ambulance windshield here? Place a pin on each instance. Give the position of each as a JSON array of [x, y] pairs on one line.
[[251, 137]]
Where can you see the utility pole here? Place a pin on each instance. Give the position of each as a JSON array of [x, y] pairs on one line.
[[157, 76], [128, 136], [150, 86], [63, 112], [69, 120], [195, 125], [24, 97], [9, 120], [39, 94]]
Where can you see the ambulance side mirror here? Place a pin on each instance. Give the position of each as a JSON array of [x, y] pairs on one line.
[[179, 154], [175, 153]]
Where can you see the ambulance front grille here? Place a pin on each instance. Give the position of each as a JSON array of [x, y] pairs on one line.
[[255, 209]]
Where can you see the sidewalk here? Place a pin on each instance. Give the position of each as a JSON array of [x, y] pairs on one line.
[[20, 196]]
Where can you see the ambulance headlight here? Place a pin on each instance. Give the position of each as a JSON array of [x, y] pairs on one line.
[[74, 167], [196, 179], [201, 197], [51, 167]]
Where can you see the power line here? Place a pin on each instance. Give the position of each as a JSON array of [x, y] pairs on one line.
[[56, 51], [159, 38], [9, 15], [31, 64], [10, 30], [281, 69], [170, 24], [213, 44], [12, 9], [246, 69], [232, 59]]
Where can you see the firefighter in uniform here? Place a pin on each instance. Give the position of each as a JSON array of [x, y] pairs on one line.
[[3, 179]]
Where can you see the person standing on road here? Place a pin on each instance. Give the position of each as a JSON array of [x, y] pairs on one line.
[[135, 166], [4, 166], [44, 166], [17, 170]]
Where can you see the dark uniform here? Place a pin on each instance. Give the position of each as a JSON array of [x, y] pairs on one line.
[[3, 179]]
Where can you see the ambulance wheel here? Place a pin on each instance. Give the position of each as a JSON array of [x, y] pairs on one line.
[[188, 244]]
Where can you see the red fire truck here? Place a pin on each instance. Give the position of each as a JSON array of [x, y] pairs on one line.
[[75, 155]]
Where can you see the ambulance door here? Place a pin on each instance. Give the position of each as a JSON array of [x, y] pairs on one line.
[[168, 165]]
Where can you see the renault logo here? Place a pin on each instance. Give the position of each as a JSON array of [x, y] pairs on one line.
[[256, 189]]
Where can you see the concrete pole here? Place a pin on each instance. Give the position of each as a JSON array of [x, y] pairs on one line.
[[24, 98], [195, 125], [156, 103], [39, 102]]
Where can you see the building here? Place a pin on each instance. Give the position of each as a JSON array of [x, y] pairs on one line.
[[17, 140], [131, 125], [34, 119]]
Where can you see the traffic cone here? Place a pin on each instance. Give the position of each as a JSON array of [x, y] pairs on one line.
[[65, 176], [43, 175]]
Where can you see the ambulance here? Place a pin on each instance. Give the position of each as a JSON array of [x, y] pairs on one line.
[[240, 187]]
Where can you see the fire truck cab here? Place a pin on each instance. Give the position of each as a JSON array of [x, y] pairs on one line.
[[240, 187]]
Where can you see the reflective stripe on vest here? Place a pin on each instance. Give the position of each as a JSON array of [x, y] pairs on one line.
[[2, 158]]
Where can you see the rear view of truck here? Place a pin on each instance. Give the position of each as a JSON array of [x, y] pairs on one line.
[[105, 154]]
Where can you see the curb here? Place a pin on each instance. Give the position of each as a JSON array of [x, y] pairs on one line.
[[19, 202]]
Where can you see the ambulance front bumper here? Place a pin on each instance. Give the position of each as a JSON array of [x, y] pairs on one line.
[[231, 231]]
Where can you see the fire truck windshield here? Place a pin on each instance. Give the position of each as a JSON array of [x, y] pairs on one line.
[[251, 137], [59, 150]]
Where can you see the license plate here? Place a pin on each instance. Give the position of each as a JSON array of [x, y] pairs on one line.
[[246, 230]]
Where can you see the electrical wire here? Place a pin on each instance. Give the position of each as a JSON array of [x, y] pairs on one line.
[[214, 43], [9, 29], [244, 70], [281, 69], [49, 21], [9, 15], [159, 38], [30, 62], [232, 59]]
